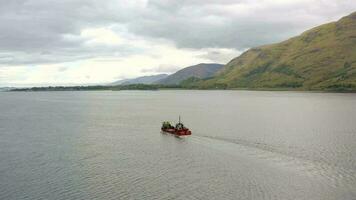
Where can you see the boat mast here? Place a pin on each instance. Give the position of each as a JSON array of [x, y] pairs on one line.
[[179, 118]]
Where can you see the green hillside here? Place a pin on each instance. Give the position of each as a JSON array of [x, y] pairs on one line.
[[323, 58]]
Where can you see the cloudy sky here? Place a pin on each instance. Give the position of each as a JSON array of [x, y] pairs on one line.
[[64, 42]]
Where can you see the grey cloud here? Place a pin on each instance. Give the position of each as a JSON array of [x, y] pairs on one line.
[[202, 23], [65, 54], [47, 31]]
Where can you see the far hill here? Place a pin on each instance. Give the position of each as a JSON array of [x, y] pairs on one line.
[[203, 70], [141, 80], [3, 89], [323, 58]]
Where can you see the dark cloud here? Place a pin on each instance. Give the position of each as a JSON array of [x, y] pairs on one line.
[[48, 31], [234, 24]]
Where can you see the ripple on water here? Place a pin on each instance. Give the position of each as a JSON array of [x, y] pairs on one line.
[[105, 145], [321, 174]]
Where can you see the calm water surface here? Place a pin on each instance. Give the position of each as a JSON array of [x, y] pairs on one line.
[[246, 145]]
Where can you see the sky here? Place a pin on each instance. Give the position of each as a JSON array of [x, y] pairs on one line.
[[84, 42]]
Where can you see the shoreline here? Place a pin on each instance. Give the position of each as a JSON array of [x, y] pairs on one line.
[[109, 88]]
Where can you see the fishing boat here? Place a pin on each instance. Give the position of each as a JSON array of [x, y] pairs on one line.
[[178, 130]]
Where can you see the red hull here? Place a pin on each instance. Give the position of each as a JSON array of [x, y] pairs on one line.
[[181, 132]]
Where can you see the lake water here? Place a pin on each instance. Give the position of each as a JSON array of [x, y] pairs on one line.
[[245, 145]]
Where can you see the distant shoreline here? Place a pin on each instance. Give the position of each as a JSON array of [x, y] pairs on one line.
[[144, 87]]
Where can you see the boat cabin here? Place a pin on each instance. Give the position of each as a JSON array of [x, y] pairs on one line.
[[179, 126]]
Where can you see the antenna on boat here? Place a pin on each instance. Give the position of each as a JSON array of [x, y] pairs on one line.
[[179, 118]]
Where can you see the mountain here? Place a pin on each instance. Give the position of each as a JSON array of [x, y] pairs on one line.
[[141, 80], [4, 89], [202, 70], [323, 58], [119, 82]]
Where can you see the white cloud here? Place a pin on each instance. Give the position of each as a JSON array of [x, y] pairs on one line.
[[106, 69]]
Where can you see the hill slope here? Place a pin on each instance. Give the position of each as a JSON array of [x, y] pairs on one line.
[[141, 80], [323, 58], [202, 70]]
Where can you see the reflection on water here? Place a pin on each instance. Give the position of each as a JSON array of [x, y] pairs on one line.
[[245, 145]]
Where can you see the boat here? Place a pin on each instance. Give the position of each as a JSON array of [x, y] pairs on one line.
[[178, 130]]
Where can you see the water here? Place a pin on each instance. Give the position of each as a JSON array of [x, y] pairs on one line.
[[245, 145]]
